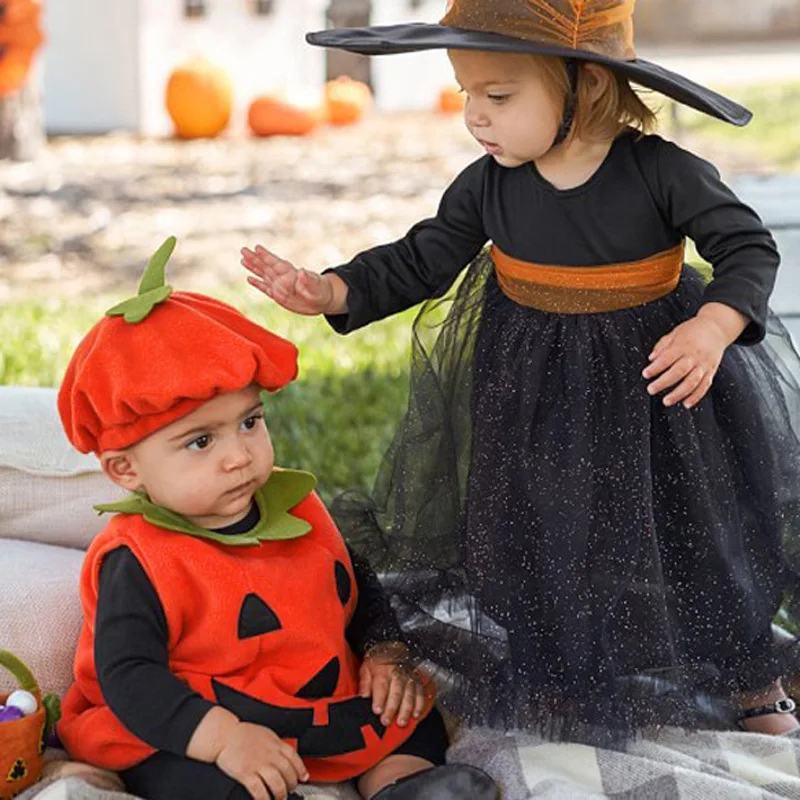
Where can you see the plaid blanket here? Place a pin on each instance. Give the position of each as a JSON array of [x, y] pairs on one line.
[[671, 764], [667, 765]]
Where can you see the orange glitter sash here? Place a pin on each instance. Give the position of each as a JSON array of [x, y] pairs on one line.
[[588, 290]]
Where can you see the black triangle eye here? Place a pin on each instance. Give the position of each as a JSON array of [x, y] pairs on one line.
[[257, 618], [343, 586]]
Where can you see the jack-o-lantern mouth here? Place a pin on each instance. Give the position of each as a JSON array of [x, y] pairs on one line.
[[342, 731], [342, 734]]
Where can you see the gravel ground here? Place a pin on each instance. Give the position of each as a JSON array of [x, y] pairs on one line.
[[86, 215]]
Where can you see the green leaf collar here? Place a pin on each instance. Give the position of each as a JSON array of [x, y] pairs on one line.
[[284, 489]]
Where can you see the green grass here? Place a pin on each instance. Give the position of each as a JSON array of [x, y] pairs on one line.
[[336, 420], [774, 133]]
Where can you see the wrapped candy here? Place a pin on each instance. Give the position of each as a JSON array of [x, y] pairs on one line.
[[10, 713]]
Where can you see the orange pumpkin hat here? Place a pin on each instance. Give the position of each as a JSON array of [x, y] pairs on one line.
[[160, 355]]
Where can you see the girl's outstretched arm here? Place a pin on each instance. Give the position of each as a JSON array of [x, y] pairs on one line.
[[297, 290]]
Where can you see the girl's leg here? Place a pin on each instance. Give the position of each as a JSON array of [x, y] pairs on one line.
[[776, 723]]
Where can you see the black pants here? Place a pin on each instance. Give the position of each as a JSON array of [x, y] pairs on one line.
[[165, 776]]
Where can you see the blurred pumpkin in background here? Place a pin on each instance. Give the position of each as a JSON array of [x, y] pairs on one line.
[[273, 115], [20, 38], [346, 100], [451, 100], [199, 99]]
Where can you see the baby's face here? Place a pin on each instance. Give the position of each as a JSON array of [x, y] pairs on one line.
[[208, 464]]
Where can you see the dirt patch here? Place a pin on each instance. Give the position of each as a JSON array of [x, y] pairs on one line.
[[87, 215]]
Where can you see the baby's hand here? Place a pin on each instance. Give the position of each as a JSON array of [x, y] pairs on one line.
[[295, 289], [687, 358], [261, 762], [396, 687]]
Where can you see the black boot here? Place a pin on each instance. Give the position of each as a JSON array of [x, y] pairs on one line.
[[451, 782]]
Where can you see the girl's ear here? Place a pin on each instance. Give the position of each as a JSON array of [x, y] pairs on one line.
[[597, 78], [120, 467]]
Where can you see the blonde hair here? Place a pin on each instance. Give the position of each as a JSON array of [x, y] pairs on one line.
[[616, 107]]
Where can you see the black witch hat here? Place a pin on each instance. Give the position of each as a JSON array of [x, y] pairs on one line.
[[598, 31]]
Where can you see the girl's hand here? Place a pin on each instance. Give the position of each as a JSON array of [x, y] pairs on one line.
[[396, 687], [295, 289], [687, 359], [689, 356]]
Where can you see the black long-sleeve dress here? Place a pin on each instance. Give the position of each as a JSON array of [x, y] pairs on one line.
[[575, 557]]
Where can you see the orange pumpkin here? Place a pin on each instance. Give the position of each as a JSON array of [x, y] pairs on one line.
[[451, 100], [20, 38], [199, 99], [271, 116], [346, 100]]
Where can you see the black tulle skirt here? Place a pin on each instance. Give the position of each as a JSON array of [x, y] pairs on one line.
[[567, 554]]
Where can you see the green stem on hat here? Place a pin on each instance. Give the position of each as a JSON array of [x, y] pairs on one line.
[[153, 288]]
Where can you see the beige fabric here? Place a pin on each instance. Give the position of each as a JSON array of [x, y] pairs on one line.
[[31, 436], [59, 511], [40, 613], [47, 488]]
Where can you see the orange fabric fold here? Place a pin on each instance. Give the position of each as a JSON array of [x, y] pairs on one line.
[[599, 26], [587, 290]]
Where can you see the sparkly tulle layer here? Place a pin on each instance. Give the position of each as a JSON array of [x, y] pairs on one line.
[[568, 555]]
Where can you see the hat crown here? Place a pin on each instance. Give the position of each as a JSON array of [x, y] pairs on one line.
[[598, 26]]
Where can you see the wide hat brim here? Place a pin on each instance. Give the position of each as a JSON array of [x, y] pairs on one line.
[[418, 36]]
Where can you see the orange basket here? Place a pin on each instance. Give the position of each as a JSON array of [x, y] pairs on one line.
[[22, 741]]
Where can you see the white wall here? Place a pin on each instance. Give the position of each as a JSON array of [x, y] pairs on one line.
[[259, 53], [90, 74], [107, 61], [412, 80], [746, 18]]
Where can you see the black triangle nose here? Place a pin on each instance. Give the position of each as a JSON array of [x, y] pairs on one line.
[[323, 684], [257, 618]]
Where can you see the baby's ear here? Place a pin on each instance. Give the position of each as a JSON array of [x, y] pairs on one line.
[[120, 468]]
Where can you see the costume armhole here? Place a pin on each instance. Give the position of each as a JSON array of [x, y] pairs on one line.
[[313, 510]]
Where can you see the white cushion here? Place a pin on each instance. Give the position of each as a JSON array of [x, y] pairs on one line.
[[47, 488], [40, 612]]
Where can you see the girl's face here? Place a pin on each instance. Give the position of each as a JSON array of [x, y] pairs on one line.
[[509, 110]]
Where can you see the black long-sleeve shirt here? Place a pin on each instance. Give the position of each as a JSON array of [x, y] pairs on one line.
[[132, 656], [646, 196]]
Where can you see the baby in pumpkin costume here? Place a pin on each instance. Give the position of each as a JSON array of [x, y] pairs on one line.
[[232, 647]]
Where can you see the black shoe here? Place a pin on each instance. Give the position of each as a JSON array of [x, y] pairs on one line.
[[451, 782]]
